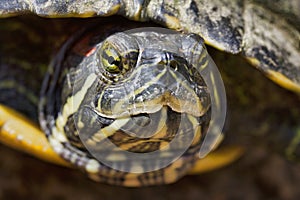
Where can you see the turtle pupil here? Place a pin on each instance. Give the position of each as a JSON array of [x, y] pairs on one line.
[[115, 64], [112, 61], [174, 64]]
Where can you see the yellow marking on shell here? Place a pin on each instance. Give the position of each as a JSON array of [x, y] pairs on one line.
[[137, 16], [283, 81], [86, 14], [217, 159], [92, 166], [253, 61], [213, 43], [113, 10], [172, 22], [277, 77], [20, 133], [73, 102]]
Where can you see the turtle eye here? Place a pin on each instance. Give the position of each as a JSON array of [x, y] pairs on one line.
[[174, 64], [116, 61], [111, 59]]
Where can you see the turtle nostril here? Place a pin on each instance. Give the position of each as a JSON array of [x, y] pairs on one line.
[[161, 65], [173, 64]]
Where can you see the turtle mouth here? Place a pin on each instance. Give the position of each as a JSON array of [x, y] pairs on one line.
[[149, 89]]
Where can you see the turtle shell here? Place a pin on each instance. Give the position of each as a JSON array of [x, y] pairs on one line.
[[251, 28]]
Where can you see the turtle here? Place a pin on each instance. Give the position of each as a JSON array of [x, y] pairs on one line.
[[230, 26]]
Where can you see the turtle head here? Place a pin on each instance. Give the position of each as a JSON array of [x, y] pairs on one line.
[[148, 105], [145, 71], [136, 106]]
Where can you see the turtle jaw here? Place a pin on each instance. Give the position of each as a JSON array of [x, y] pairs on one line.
[[150, 88]]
